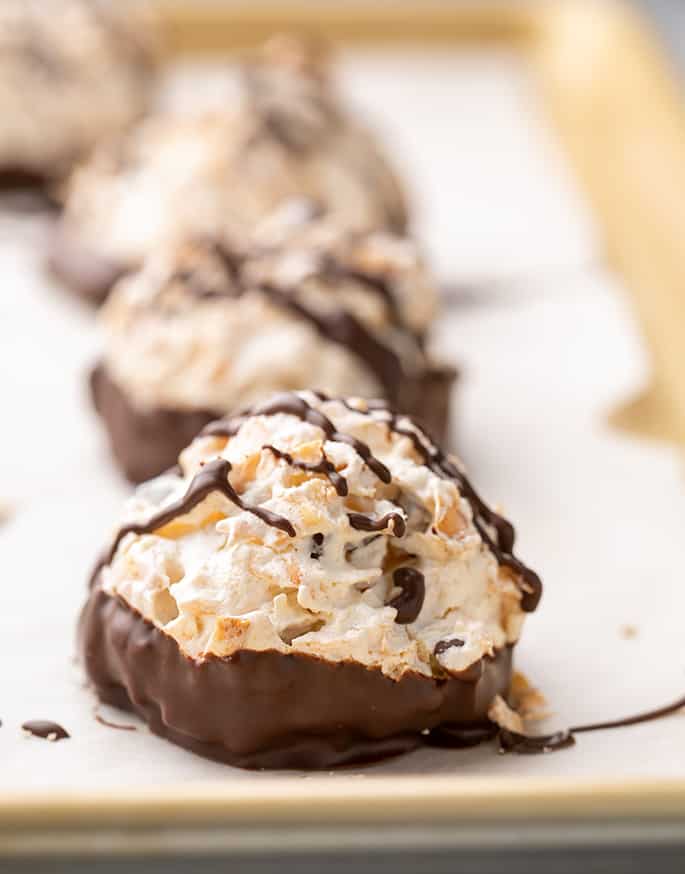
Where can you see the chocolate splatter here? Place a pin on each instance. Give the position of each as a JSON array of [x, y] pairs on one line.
[[410, 600], [45, 729]]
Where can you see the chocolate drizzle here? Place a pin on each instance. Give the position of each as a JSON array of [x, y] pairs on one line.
[[337, 325], [323, 466], [391, 520], [212, 477], [332, 268], [341, 327], [317, 546], [495, 531], [534, 745], [45, 729], [410, 600], [291, 404]]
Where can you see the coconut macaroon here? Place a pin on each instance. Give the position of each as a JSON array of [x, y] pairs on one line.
[[289, 136], [316, 583], [207, 326], [71, 73]]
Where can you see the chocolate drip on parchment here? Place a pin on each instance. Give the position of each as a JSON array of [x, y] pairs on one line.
[[514, 742], [45, 729]]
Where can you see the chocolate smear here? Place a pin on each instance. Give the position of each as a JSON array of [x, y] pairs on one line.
[[410, 600], [45, 729]]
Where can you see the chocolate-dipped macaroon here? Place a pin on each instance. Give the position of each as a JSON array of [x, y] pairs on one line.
[[224, 172], [207, 327], [71, 73], [315, 584]]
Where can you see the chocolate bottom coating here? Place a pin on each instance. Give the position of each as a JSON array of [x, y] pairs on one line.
[[267, 709], [87, 273], [144, 443], [147, 442], [430, 401]]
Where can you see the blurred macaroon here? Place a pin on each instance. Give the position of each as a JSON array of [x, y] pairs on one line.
[[208, 325], [72, 72], [288, 136]]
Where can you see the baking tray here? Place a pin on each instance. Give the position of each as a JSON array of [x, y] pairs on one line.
[[599, 512]]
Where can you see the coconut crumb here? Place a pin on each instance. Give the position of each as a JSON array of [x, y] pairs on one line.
[[502, 714], [628, 631], [6, 511], [527, 700]]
